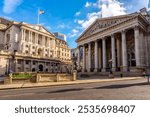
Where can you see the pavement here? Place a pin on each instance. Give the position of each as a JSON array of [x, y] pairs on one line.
[[79, 81]]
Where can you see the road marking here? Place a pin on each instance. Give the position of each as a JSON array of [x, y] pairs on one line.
[[15, 95]]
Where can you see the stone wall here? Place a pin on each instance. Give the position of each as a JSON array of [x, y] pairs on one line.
[[39, 77], [3, 65]]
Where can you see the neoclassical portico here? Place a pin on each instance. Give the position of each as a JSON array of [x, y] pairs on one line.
[[117, 43]]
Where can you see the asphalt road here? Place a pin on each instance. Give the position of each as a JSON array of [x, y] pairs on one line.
[[123, 90]]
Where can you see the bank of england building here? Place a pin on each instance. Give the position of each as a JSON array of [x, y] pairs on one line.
[[31, 48]]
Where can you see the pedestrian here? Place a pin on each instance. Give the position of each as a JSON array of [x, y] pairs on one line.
[[148, 75]]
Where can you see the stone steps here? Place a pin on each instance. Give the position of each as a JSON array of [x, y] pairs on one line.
[[106, 74]]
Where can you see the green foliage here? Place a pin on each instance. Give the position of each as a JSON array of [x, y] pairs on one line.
[[22, 76]]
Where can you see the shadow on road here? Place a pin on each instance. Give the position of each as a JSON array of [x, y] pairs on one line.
[[66, 90], [117, 86], [121, 86]]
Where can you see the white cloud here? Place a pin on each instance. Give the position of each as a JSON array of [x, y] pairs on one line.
[[73, 33], [88, 4], [91, 17], [112, 8], [77, 13], [11, 5], [80, 21], [106, 8], [63, 26]]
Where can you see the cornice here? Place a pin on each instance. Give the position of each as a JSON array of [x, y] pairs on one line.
[[109, 28], [34, 30], [107, 19]]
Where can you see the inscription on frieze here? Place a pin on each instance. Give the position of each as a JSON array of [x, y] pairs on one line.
[[101, 25]]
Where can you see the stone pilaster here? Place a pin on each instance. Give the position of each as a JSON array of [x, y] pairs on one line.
[[43, 40], [96, 56], [31, 65], [24, 34], [113, 53], [89, 57], [104, 55], [31, 37], [36, 38], [124, 51], [24, 65], [30, 49]]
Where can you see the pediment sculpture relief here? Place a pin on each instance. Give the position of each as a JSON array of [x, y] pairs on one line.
[[100, 25]]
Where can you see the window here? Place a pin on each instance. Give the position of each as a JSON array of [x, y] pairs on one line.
[[19, 69], [33, 53], [33, 69], [46, 70], [19, 61], [27, 62], [26, 52], [47, 64], [33, 62]]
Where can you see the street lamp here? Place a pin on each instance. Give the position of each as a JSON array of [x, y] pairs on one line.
[[74, 61], [13, 60]]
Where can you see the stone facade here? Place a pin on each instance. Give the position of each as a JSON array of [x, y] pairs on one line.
[[120, 43], [33, 48]]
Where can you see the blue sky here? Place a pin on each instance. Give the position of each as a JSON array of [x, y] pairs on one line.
[[70, 17]]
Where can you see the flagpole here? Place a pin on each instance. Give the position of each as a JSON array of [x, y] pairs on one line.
[[38, 21]]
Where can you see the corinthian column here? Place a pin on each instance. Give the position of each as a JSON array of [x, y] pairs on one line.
[[89, 57], [118, 52], [113, 53], [137, 46], [124, 51], [96, 56], [104, 54], [78, 49], [84, 61]]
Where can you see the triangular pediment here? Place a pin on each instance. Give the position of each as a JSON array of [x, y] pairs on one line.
[[39, 28], [103, 23]]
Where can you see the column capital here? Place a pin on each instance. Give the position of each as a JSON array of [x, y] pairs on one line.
[[103, 38], [96, 41], [112, 35], [89, 43], [123, 31], [78, 47], [136, 27]]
